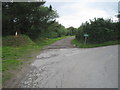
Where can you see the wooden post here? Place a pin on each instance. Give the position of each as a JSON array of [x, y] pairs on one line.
[[85, 35], [85, 40]]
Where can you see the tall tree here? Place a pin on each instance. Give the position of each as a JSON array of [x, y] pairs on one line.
[[31, 18]]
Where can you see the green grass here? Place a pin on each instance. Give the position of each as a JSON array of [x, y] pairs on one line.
[[14, 56], [88, 45], [16, 41]]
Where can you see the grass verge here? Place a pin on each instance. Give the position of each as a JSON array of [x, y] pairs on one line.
[[88, 45], [15, 56]]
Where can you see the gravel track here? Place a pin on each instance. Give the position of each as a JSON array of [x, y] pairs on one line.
[[61, 65]]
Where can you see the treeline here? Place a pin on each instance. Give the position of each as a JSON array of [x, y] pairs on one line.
[[36, 20], [99, 30], [32, 19]]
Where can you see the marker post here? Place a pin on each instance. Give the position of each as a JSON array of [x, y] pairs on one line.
[[85, 35]]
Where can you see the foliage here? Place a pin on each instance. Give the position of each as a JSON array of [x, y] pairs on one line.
[[99, 31], [118, 15], [56, 30], [71, 31], [30, 18]]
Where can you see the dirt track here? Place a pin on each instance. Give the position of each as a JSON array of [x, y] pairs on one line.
[[61, 65], [64, 43]]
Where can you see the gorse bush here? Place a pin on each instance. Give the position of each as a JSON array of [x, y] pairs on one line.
[[99, 31]]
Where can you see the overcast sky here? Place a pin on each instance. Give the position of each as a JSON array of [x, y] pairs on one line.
[[75, 12]]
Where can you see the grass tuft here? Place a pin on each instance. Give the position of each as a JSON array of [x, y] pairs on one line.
[[88, 45], [14, 41]]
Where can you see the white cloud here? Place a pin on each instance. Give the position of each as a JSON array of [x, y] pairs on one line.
[[82, 0], [76, 12], [81, 14]]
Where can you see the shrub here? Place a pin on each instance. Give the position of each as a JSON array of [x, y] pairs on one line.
[[99, 31]]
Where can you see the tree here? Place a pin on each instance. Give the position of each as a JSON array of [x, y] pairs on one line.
[[56, 30], [17, 14], [50, 8], [31, 18], [99, 31], [71, 31]]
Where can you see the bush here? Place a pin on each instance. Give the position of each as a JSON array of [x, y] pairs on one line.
[[99, 31], [71, 31], [56, 30]]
